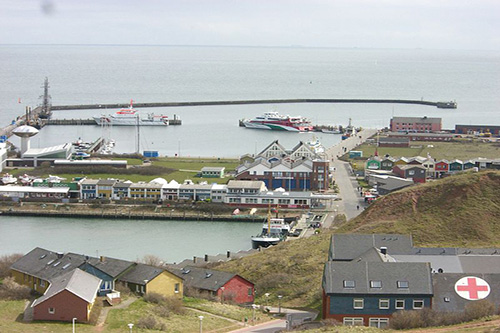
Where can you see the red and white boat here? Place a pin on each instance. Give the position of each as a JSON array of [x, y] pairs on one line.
[[131, 117], [274, 121]]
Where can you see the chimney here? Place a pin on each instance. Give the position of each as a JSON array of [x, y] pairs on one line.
[[59, 255], [194, 260], [206, 257], [228, 254], [102, 259], [383, 250]]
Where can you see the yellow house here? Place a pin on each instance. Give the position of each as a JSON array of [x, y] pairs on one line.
[[143, 279], [145, 191], [39, 266], [105, 188]]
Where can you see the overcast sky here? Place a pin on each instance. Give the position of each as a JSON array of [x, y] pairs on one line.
[[430, 24]]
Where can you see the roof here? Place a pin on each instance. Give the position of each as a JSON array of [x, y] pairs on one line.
[[275, 142], [410, 166], [438, 263], [46, 265], [141, 274], [106, 182], [255, 184], [418, 276], [208, 169], [422, 120], [38, 152], [89, 182], [393, 140], [110, 266], [444, 286], [121, 184], [77, 282], [145, 185], [350, 246], [203, 278]]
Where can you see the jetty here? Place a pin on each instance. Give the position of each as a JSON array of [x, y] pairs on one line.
[[442, 105]]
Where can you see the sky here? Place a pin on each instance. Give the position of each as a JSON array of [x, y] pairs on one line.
[[428, 24]]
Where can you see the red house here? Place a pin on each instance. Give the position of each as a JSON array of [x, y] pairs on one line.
[[70, 295], [227, 287], [441, 168]]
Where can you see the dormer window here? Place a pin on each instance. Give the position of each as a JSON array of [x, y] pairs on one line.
[[375, 284], [403, 284], [349, 284]]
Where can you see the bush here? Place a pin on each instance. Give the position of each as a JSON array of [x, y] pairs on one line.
[[151, 323], [11, 290], [123, 289], [6, 261], [155, 298], [479, 309]]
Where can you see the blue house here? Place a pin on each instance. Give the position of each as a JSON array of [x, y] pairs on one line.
[[369, 292], [108, 270]]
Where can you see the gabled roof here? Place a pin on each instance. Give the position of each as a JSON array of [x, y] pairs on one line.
[[141, 274], [203, 278], [351, 246], [425, 120], [110, 266], [418, 276], [46, 265], [77, 282], [107, 182], [252, 184], [274, 143]]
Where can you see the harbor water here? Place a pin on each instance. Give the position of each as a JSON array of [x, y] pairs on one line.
[[116, 74]]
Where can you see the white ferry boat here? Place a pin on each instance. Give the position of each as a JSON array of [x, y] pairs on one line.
[[130, 117], [274, 121]]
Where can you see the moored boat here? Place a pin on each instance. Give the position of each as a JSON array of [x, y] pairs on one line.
[[274, 231], [130, 117], [274, 121]]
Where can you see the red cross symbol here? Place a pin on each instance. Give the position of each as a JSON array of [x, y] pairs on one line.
[[472, 287]]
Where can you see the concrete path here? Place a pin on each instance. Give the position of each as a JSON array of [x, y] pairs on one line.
[[276, 325]]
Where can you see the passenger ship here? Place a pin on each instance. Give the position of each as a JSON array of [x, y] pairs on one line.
[[130, 117], [275, 121]]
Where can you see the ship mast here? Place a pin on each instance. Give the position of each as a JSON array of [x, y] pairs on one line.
[[46, 100]]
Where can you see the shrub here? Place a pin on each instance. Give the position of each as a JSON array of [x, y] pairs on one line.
[[10, 289], [479, 309], [155, 298], [152, 260], [148, 322], [6, 261], [123, 289]]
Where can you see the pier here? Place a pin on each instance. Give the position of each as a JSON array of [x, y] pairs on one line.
[[443, 105], [67, 122]]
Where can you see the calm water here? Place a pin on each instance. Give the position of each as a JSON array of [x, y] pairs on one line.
[[110, 74], [171, 241]]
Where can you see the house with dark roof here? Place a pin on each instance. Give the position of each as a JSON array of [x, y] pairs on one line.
[[70, 295], [144, 279], [227, 287], [368, 293], [108, 270], [39, 266], [415, 172]]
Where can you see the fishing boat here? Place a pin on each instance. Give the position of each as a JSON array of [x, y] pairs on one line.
[[130, 117], [274, 231], [274, 121]]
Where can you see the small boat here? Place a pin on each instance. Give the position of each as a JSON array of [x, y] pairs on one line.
[[333, 130], [130, 117], [316, 145], [274, 231], [274, 121], [54, 179]]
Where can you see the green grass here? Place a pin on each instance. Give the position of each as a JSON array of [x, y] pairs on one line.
[[225, 310]]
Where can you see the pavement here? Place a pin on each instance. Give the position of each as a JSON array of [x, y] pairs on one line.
[[277, 325]]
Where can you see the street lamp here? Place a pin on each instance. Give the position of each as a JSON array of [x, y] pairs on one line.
[[279, 303], [267, 298], [73, 321], [130, 327], [254, 306], [222, 294], [201, 323]]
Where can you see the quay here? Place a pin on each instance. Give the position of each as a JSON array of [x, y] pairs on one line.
[[66, 122], [443, 105]]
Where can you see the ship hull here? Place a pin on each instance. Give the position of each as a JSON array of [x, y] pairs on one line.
[[128, 122]]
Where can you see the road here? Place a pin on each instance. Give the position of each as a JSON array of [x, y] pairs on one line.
[[278, 324]]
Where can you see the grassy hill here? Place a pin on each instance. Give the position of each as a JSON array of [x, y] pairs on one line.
[[462, 211]]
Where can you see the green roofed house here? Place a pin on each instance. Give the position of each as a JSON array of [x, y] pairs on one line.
[[212, 172], [373, 163]]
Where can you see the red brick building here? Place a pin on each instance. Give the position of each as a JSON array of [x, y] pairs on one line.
[[415, 124], [70, 295]]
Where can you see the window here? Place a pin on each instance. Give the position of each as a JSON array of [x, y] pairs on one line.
[[446, 299], [349, 284], [249, 291], [176, 288], [379, 322], [42, 283], [403, 284], [418, 303], [52, 310], [383, 304], [350, 321], [400, 304], [358, 303], [375, 284]]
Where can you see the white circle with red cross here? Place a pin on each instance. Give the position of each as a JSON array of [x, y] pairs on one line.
[[472, 288]]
